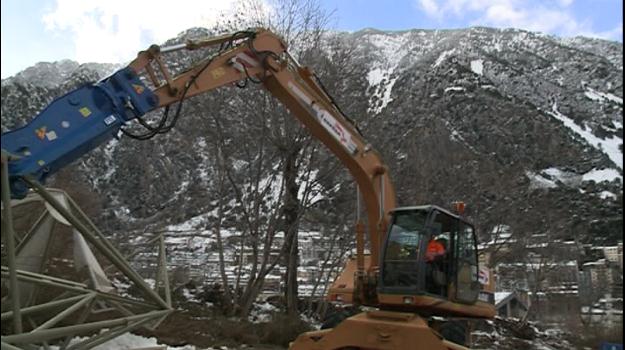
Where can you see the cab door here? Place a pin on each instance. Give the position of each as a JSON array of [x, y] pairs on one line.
[[442, 228], [466, 265]]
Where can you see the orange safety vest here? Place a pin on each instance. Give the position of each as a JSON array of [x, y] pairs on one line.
[[435, 249]]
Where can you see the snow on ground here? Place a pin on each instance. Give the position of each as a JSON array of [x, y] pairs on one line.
[[602, 175], [204, 167], [567, 178], [271, 187], [194, 223], [477, 66], [443, 57], [607, 194], [609, 146], [538, 181], [602, 96], [392, 49], [262, 313], [547, 178], [129, 341], [376, 76], [386, 97], [500, 296], [316, 188], [454, 88], [454, 135], [108, 150]]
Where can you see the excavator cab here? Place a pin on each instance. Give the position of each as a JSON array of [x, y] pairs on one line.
[[429, 262]]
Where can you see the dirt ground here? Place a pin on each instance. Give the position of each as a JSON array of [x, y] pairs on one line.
[[213, 331]]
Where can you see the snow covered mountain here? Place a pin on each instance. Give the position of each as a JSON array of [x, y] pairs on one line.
[[526, 128]]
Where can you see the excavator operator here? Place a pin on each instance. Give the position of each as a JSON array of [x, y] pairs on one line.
[[435, 250], [435, 257]]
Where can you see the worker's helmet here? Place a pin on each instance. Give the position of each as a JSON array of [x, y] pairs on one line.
[[441, 238]]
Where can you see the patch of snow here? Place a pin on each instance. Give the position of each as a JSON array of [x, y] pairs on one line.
[[203, 167], [443, 56], [477, 66], [391, 50], [567, 178], [376, 76], [108, 156], [191, 297], [500, 296], [382, 90], [602, 175], [607, 194], [386, 97], [310, 187], [602, 96], [271, 187], [195, 223], [609, 146], [454, 135], [454, 88], [128, 341], [537, 181], [262, 312]]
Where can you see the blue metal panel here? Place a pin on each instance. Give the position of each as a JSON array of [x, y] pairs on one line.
[[610, 346], [73, 125]]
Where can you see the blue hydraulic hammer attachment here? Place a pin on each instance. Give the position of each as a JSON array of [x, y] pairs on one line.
[[73, 125]]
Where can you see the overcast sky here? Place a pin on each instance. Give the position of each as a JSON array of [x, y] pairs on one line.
[[115, 30]]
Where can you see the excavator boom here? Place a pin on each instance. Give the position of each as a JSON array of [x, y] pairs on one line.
[[76, 123]]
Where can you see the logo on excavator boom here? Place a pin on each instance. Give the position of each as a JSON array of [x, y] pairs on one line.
[[327, 121], [41, 132], [138, 88]]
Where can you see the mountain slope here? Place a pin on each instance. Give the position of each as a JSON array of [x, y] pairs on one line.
[[526, 128]]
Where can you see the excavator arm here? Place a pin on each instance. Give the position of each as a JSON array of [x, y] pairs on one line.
[[76, 123]]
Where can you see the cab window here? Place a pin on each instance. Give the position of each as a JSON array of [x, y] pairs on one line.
[[467, 283], [400, 265]]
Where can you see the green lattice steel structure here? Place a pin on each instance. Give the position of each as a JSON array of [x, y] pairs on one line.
[[88, 308]]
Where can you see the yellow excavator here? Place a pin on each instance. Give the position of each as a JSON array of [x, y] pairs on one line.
[[419, 280]]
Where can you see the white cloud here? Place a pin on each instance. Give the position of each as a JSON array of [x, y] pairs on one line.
[[115, 30], [554, 16], [565, 3], [615, 33], [430, 7]]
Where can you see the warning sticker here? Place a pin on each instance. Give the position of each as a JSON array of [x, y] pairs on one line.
[[51, 135], [41, 132], [138, 88], [85, 112], [109, 120]]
